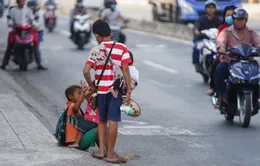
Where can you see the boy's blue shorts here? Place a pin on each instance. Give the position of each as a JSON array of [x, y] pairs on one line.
[[109, 107]]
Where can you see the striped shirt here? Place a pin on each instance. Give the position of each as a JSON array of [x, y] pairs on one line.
[[97, 57]]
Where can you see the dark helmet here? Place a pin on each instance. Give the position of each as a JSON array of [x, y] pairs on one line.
[[112, 2], [210, 2], [240, 13], [18, 1], [79, 5], [31, 3]]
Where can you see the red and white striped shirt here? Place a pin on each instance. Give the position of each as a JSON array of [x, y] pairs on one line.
[[97, 58]]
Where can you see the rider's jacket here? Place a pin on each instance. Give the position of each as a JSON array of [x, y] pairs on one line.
[[228, 38], [23, 16]]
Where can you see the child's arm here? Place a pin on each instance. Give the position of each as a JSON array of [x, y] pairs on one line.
[[78, 103]]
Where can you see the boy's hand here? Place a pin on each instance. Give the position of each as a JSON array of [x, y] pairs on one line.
[[84, 86], [128, 98]]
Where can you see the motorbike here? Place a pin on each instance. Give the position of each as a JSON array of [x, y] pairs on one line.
[[82, 30], [50, 18], [207, 49], [23, 47], [122, 36], [241, 97]]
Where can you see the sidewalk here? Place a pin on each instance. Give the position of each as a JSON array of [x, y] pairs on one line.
[[25, 141]]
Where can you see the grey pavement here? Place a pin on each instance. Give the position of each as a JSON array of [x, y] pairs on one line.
[[178, 125], [25, 140]]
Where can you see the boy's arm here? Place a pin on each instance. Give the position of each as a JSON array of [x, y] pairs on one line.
[[125, 69], [89, 64], [77, 105]]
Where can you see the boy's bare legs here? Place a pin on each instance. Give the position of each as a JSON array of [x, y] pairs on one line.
[[78, 138], [112, 136], [121, 159], [101, 137]]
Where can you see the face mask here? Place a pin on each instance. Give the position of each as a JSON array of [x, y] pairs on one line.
[[113, 7], [229, 20]]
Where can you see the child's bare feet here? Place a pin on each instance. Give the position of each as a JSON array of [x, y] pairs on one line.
[[75, 145], [114, 92]]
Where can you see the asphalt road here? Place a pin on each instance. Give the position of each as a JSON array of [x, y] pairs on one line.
[[178, 125]]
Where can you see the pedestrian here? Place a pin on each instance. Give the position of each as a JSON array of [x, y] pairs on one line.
[[109, 107]]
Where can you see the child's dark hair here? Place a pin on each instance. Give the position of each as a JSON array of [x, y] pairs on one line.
[[132, 58], [70, 90], [101, 28]]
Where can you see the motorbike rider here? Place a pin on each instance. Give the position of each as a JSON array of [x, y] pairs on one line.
[[49, 3], [232, 36], [33, 4], [227, 21], [112, 16], [79, 9], [19, 14], [207, 21]]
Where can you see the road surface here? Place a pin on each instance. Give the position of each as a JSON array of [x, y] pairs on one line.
[[178, 125]]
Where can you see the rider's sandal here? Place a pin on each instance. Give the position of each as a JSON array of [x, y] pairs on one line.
[[218, 104], [210, 92]]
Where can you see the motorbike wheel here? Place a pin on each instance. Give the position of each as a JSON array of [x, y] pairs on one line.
[[229, 116], [23, 65], [122, 38], [24, 61], [81, 44], [50, 29], [245, 112]]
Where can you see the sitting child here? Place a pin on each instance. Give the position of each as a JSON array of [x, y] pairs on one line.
[[119, 82], [76, 125]]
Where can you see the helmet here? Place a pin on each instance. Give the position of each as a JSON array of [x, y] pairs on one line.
[[210, 2], [112, 2], [240, 13], [17, 1], [31, 3], [79, 5]]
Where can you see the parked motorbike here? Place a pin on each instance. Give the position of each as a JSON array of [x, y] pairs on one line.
[[207, 48], [241, 98], [50, 18], [23, 48], [82, 30]]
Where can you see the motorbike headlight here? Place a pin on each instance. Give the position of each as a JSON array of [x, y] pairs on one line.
[[237, 79]]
